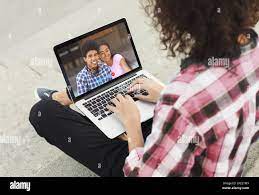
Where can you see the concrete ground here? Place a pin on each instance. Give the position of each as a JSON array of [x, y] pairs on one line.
[[29, 30]]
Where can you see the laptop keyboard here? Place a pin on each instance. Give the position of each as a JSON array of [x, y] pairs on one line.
[[97, 105]]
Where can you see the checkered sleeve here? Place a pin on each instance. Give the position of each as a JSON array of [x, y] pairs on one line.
[[256, 136], [257, 107], [164, 153], [81, 86], [108, 72]]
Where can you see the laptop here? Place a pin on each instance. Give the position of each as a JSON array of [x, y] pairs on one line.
[[95, 96]]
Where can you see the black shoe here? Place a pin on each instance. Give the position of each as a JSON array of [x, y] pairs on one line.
[[44, 93]]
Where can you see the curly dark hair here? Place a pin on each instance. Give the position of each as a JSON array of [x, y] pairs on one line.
[[88, 46], [202, 28]]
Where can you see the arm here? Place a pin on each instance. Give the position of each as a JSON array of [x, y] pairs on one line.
[[134, 134], [257, 107], [163, 153], [124, 65], [256, 136]]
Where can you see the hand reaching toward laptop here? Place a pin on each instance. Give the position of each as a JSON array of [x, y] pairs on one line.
[[124, 106], [127, 111]]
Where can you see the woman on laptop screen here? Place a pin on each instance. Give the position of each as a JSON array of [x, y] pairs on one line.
[[116, 62]]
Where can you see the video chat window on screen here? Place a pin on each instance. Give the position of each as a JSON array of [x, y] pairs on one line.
[[119, 41]]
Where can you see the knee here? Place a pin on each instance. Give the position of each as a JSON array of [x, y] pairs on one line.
[[41, 113], [42, 109]]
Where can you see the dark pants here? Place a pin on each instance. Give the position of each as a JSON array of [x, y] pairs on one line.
[[78, 137]]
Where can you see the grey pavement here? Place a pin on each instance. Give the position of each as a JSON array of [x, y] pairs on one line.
[[29, 30]]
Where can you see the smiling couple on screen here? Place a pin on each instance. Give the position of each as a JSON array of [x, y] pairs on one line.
[[100, 66]]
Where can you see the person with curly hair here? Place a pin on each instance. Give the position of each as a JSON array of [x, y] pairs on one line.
[[205, 119]]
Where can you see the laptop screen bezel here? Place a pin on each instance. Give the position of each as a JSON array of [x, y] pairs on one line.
[[69, 42]]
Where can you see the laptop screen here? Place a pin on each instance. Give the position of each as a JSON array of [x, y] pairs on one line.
[[99, 57]]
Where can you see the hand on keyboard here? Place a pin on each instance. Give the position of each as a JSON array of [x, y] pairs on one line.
[[97, 106], [147, 89], [125, 109]]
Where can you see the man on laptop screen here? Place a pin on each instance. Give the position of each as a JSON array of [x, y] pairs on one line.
[[95, 73]]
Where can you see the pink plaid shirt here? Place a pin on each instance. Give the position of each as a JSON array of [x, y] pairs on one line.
[[204, 123]]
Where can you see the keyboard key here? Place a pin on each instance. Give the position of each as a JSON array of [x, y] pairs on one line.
[[144, 92], [131, 94], [95, 110], [111, 104]]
